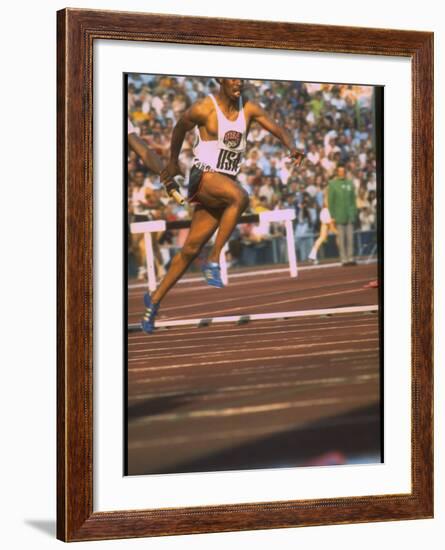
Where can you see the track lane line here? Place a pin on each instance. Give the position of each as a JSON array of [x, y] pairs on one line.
[[244, 360]]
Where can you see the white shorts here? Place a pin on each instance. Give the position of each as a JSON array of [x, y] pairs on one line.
[[325, 217]]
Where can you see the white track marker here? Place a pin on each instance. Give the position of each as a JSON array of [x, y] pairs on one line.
[[290, 241], [241, 319], [151, 274], [147, 228]]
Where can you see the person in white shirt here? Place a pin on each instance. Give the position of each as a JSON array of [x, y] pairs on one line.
[[313, 155], [327, 225]]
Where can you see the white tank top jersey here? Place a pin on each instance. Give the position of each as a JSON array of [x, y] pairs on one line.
[[224, 154]]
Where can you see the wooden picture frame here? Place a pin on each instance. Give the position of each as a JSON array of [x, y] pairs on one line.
[[77, 31]]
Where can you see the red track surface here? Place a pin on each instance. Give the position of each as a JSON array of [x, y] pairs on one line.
[[265, 394]]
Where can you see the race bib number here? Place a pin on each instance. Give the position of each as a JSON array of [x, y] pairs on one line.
[[228, 160]]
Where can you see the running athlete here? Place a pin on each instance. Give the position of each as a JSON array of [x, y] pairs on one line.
[[221, 123], [327, 225]]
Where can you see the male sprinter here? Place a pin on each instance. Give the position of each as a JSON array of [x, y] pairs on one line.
[[222, 123]]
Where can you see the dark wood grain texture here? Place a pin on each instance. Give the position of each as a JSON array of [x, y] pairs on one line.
[[77, 30]]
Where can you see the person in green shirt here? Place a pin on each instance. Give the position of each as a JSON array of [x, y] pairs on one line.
[[343, 209]]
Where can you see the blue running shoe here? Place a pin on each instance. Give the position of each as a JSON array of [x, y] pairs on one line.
[[151, 310], [212, 274]]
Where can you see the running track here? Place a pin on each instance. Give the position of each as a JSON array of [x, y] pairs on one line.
[[264, 394]]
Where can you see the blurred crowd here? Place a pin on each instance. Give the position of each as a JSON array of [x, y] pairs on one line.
[[331, 124]]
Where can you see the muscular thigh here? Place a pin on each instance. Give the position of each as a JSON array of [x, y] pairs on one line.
[[204, 223], [218, 190]]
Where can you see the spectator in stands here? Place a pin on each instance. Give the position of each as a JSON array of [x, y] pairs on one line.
[[362, 199], [367, 219]]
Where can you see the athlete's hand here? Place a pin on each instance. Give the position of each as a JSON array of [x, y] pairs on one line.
[[167, 178], [170, 171], [297, 157]]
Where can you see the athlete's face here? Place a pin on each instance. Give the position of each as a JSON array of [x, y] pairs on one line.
[[232, 87]]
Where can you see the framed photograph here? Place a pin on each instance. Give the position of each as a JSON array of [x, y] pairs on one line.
[[245, 225]]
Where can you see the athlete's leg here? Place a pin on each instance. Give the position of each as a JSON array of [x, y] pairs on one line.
[[220, 191], [204, 223], [321, 239]]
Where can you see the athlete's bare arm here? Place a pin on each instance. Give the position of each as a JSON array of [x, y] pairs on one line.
[[196, 115], [256, 113]]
